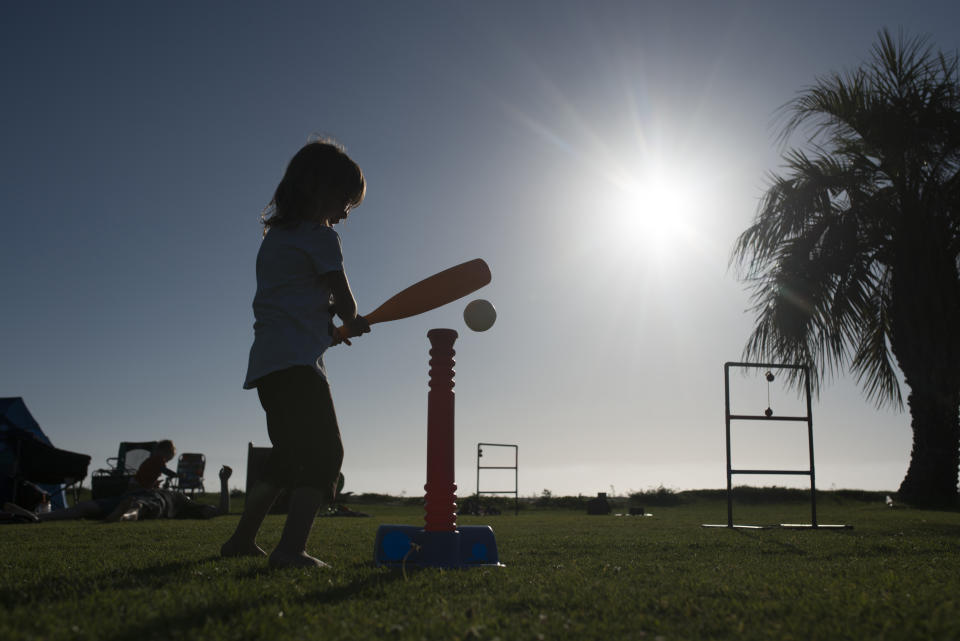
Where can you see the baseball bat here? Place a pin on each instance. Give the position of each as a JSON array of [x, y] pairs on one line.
[[431, 292]]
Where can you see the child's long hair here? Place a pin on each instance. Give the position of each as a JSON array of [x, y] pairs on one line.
[[321, 172]]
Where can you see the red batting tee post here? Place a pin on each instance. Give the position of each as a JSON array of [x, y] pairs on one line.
[[440, 543], [440, 498]]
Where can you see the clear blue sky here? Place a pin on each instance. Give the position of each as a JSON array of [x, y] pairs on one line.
[[142, 140]]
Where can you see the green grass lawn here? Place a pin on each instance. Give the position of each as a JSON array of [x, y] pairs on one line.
[[568, 576]]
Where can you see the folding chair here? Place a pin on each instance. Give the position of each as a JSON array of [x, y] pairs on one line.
[[190, 469], [33, 462], [114, 480]]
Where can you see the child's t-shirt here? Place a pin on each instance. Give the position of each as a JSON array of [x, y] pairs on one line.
[[292, 304]]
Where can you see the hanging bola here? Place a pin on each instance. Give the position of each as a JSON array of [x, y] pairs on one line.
[[768, 412]]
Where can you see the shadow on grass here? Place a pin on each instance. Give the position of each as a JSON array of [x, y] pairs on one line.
[[185, 622], [53, 588], [766, 541]]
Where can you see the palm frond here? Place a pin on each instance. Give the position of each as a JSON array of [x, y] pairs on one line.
[[872, 364], [882, 155]]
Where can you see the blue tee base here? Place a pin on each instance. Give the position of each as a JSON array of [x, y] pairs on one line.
[[408, 545]]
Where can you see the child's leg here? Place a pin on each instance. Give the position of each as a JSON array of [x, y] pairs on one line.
[[243, 542], [291, 551], [317, 465], [262, 495], [307, 454]]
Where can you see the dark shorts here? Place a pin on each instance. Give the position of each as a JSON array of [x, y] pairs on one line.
[[302, 424]]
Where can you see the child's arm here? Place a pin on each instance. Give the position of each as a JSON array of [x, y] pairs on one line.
[[346, 305]]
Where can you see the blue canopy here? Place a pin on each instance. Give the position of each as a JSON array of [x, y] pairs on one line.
[[14, 415], [26, 452]]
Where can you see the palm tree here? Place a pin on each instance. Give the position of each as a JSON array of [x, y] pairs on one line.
[[852, 257]]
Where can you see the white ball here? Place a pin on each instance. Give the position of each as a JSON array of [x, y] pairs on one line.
[[479, 315]]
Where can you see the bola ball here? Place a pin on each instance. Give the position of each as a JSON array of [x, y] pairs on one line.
[[479, 315]]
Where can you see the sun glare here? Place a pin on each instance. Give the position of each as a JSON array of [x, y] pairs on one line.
[[654, 213]]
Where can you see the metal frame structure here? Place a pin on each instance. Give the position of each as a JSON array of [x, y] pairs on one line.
[[808, 419], [514, 467]]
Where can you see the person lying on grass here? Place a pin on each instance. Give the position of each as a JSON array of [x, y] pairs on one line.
[[147, 477], [135, 505]]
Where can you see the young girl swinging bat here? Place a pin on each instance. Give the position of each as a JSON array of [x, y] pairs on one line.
[[301, 283]]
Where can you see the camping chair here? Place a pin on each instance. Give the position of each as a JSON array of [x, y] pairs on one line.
[[27, 457], [114, 480], [131, 456], [35, 462], [190, 469]]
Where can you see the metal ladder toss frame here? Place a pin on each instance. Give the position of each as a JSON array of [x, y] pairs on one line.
[[808, 419], [514, 467]]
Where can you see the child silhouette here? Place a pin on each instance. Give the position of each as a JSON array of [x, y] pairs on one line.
[[301, 284]]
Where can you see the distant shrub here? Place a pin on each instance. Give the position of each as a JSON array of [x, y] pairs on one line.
[[866, 496], [570, 502], [773, 494], [373, 497], [654, 497], [545, 499], [548, 500], [660, 497]]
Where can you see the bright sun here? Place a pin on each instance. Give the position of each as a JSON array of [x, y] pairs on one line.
[[655, 213]]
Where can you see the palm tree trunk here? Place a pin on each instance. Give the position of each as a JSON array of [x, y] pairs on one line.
[[932, 476], [925, 338]]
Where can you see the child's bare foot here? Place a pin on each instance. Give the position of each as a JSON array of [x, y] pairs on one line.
[[231, 548], [280, 559]]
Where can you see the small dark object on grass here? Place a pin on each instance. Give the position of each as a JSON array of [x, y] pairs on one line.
[[598, 505], [637, 511]]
